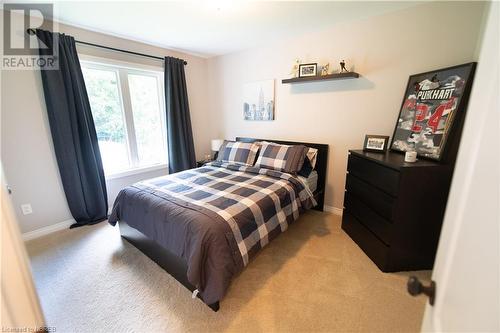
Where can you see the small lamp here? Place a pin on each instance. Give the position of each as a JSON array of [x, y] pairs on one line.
[[216, 143]]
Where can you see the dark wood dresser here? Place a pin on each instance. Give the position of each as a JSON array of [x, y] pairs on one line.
[[394, 210]]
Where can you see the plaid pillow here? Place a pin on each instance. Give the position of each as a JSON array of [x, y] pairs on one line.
[[281, 157], [238, 152]]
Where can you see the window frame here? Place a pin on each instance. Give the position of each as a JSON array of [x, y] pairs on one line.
[[122, 70]]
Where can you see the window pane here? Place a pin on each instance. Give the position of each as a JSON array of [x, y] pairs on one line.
[[104, 95], [148, 122]]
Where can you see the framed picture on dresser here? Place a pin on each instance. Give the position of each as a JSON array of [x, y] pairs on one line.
[[433, 108], [375, 143]]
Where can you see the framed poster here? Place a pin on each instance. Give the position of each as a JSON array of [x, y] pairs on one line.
[[258, 100], [431, 105]]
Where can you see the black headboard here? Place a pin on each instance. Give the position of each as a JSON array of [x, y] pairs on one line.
[[321, 165]]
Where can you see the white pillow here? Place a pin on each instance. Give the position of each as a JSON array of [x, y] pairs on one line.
[[312, 155]]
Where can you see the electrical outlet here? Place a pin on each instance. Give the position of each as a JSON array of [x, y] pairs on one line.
[[26, 208]]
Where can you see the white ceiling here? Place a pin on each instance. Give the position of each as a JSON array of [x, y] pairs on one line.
[[216, 27]]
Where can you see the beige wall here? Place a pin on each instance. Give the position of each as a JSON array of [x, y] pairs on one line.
[[27, 151], [385, 50]]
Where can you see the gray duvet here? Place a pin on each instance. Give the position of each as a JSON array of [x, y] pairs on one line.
[[216, 217]]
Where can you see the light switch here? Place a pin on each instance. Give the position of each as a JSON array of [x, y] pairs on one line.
[[26, 208]]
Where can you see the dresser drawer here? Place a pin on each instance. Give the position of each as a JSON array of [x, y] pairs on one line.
[[368, 217], [371, 245], [382, 177], [371, 196]]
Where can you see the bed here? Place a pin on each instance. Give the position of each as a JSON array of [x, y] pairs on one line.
[[204, 225]]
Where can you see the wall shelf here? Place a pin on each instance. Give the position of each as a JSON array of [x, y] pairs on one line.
[[337, 76]]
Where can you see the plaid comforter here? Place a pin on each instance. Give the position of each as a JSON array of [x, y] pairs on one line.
[[257, 204]]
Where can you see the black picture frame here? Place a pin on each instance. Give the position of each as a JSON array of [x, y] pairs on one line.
[[376, 143], [313, 66], [432, 111]]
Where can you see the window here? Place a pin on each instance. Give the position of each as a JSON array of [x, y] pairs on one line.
[[128, 111]]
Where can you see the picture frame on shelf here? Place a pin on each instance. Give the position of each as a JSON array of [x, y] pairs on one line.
[[433, 111], [307, 70], [376, 143]]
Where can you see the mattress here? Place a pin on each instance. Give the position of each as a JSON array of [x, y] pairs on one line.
[[311, 182]]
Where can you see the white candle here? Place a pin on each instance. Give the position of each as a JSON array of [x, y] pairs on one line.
[[411, 156]]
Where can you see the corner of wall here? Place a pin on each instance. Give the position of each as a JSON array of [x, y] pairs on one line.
[[487, 6], [333, 210]]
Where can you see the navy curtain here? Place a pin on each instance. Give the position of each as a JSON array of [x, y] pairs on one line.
[[73, 131], [179, 133]]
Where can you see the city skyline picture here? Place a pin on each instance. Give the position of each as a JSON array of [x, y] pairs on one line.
[[258, 100]]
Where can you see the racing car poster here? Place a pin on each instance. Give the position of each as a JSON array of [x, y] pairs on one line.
[[431, 104]]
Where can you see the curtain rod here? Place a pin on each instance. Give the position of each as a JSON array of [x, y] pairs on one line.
[[31, 31]]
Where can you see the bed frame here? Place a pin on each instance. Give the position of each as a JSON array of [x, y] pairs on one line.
[[176, 266]]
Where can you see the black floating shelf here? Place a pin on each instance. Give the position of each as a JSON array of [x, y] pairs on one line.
[[337, 76]]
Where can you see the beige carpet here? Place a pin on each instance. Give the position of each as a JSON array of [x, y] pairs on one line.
[[312, 278]]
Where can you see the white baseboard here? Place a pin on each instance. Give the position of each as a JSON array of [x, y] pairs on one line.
[[333, 210], [66, 224], [47, 230]]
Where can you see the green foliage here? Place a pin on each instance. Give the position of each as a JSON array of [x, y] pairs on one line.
[[147, 120], [103, 91], [103, 88]]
